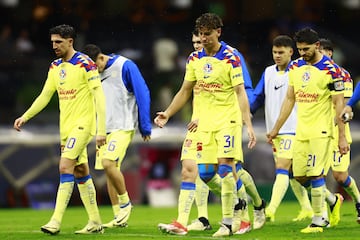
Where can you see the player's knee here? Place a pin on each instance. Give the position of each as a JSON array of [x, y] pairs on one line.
[[340, 177], [108, 164], [206, 172], [224, 170]]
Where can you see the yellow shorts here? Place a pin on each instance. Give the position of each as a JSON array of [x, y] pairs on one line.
[[75, 145], [115, 148], [312, 157], [283, 146], [207, 147]]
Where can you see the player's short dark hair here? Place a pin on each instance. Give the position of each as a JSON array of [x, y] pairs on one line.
[[306, 35], [326, 44], [65, 31], [195, 32], [208, 21], [92, 51], [283, 41]]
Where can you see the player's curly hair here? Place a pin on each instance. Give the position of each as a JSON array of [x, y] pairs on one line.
[[65, 31], [306, 35], [208, 21]]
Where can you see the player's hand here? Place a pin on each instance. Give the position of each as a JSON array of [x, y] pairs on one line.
[[146, 138], [192, 126], [270, 136], [19, 122], [346, 114], [252, 139], [343, 146], [161, 119], [100, 140]]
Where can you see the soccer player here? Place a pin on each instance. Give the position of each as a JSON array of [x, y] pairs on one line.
[[316, 86], [127, 107], [221, 105], [341, 163], [271, 89], [241, 223], [75, 78]]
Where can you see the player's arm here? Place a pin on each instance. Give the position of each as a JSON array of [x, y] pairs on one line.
[[286, 108], [99, 97], [245, 111], [136, 84], [352, 101], [176, 104], [39, 104], [338, 101]]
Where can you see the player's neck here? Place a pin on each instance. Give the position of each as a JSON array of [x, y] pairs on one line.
[[69, 55], [213, 49], [318, 56]]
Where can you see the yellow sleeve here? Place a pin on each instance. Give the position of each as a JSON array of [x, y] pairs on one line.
[[100, 109], [40, 102]]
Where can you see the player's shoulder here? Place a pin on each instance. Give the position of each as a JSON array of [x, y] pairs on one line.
[[194, 56], [330, 67], [83, 61], [296, 63]]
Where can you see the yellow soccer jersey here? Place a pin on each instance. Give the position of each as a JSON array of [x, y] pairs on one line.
[[313, 87], [215, 102], [73, 81]]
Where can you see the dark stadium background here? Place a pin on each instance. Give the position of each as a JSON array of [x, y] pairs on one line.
[[133, 28]]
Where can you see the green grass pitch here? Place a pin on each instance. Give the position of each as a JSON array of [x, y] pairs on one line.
[[23, 223]]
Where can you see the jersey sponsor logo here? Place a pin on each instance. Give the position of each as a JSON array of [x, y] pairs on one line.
[[302, 96], [279, 86]]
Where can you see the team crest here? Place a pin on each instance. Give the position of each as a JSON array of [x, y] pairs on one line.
[[62, 74], [207, 68], [306, 77]]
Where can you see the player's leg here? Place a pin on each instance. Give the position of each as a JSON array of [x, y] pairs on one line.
[[65, 189], [317, 165], [340, 168], [112, 157], [302, 196]]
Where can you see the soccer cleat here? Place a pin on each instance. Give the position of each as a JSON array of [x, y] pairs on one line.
[[357, 206], [113, 224], [52, 227], [200, 224], [312, 228], [270, 217], [335, 210], [123, 215], [259, 216], [304, 214], [91, 228], [244, 228], [223, 231], [175, 228]]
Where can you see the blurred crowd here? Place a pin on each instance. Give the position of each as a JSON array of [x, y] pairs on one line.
[[157, 36]]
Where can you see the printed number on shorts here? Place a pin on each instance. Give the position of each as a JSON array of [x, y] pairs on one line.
[[111, 146], [229, 141], [311, 160], [337, 158], [70, 143], [285, 144]]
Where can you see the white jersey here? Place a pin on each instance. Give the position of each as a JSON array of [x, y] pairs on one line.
[[275, 88], [121, 107]]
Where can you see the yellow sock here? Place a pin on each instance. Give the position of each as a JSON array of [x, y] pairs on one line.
[[250, 186], [124, 199], [186, 199], [301, 194], [63, 196], [116, 209], [352, 189], [88, 196], [241, 193], [279, 189], [227, 196], [201, 198], [318, 199], [215, 185]]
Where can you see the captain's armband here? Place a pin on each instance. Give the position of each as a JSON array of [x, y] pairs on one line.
[[337, 86]]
